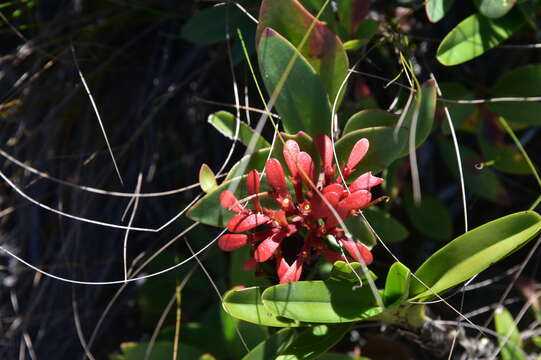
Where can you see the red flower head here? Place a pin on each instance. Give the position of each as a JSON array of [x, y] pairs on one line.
[[321, 203]]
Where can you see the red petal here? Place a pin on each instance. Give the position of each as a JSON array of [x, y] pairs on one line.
[[243, 222], [229, 201], [266, 249], [230, 242], [288, 273], [276, 177], [336, 188], [291, 149], [354, 201], [365, 182], [252, 185], [359, 151], [357, 251], [306, 168], [320, 208], [324, 146]]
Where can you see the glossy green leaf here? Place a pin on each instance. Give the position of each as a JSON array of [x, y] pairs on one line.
[[494, 8], [245, 304], [459, 112], [430, 217], [396, 284], [423, 109], [252, 335], [160, 350], [351, 14], [473, 252], [388, 228], [208, 209], [520, 82], [321, 301], [323, 50], [210, 25], [436, 9], [359, 229], [314, 341], [207, 179], [370, 118], [483, 182], [505, 157], [365, 33], [384, 148], [302, 102], [351, 272], [475, 35], [507, 330], [273, 346], [253, 161], [226, 124]]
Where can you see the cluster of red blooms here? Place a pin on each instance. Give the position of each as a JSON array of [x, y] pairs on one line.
[[320, 201]]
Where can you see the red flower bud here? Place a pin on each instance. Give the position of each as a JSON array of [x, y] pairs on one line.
[[230, 242], [291, 149], [289, 273], [324, 146], [243, 222], [359, 151], [358, 251], [365, 182], [306, 169], [252, 185]]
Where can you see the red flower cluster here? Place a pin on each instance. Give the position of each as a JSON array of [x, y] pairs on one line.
[[320, 202]]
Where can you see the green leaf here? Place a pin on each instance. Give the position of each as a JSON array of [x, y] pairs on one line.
[[207, 179], [475, 35], [208, 209], [253, 161], [210, 25], [226, 123], [349, 271], [396, 284], [384, 148], [473, 252], [459, 112], [481, 182], [436, 9], [520, 82], [388, 228], [270, 348], [424, 109], [507, 330], [160, 350], [245, 304], [323, 49], [351, 14], [314, 341], [494, 8], [302, 103], [360, 231], [506, 157], [365, 33], [252, 334], [430, 217], [369, 118], [321, 301]]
